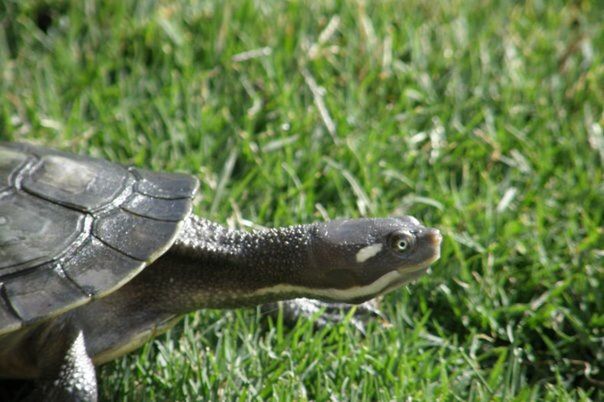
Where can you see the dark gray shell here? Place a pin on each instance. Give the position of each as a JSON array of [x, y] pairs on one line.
[[74, 228]]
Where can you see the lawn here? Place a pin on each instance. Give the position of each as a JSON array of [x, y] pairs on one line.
[[483, 118]]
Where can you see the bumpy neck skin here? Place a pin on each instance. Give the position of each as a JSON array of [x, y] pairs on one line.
[[216, 267]]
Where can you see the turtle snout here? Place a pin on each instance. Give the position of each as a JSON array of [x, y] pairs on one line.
[[432, 236], [431, 239]]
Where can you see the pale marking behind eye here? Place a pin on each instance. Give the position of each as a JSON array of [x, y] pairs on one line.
[[367, 252]]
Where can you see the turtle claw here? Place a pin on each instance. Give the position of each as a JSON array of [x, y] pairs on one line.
[[325, 314]]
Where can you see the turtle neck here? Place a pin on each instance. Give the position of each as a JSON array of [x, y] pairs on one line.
[[214, 266]]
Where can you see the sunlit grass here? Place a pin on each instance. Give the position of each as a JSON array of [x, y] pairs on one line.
[[483, 118]]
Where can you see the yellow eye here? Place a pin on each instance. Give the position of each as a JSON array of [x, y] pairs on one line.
[[401, 245], [401, 242]]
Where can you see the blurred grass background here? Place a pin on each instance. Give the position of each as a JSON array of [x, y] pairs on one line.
[[484, 118]]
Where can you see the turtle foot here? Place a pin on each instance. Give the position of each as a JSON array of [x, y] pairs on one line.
[[324, 313]]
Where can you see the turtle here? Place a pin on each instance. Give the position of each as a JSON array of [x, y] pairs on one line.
[[96, 258]]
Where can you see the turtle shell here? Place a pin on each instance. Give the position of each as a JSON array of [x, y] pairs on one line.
[[75, 228]]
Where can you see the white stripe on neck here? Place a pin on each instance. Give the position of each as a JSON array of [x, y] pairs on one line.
[[372, 289]]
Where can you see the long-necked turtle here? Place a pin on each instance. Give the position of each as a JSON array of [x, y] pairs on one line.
[[96, 258]]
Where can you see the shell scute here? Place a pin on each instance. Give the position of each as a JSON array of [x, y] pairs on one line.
[[82, 183], [33, 231], [42, 292], [10, 162], [97, 268]]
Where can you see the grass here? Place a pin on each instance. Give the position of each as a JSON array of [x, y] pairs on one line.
[[484, 118]]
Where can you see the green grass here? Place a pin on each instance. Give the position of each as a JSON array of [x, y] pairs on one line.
[[484, 118]]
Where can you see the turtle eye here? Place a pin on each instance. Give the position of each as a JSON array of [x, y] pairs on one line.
[[401, 242], [401, 245]]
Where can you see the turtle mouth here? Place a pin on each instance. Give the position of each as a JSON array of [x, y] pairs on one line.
[[424, 265], [415, 268], [405, 277]]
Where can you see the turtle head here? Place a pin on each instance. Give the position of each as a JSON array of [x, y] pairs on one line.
[[355, 260]]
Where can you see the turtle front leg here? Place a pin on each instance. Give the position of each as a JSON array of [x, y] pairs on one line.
[[326, 313], [67, 371]]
